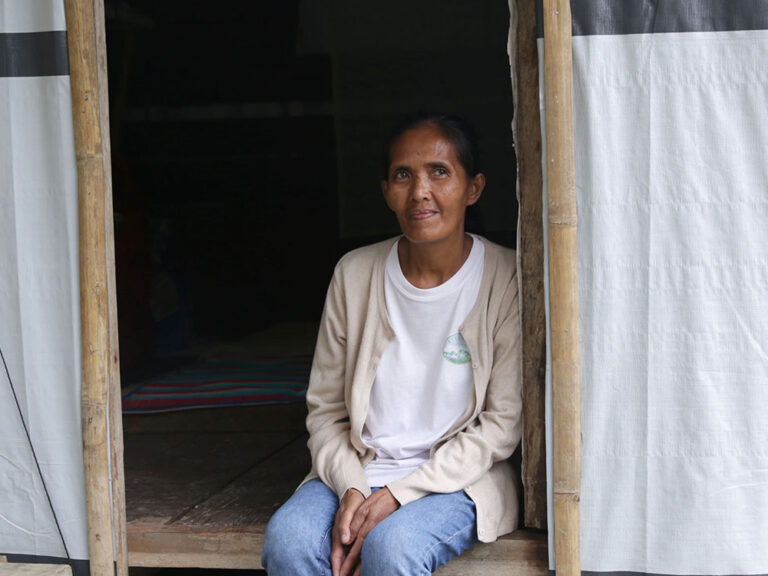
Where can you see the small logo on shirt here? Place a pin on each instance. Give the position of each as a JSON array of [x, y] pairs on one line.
[[455, 350]]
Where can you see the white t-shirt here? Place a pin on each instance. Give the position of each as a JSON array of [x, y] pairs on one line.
[[424, 380]]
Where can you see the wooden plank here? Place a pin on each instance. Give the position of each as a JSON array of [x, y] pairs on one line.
[[12, 569], [494, 568], [87, 57], [115, 404], [256, 495], [191, 549], [522, 553], [225, 530], [527, 129], [168, 473], [563, 277], [181, 466]]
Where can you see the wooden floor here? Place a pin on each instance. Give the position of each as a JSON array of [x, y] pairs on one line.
[[202, 484]]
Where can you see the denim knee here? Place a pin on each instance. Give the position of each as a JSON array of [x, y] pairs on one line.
[[292, 545], [297, 539], [276, 538], [389, 549]]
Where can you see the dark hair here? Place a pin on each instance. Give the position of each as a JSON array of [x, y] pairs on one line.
[[457, 130]]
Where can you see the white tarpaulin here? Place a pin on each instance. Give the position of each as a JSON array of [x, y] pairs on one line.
[[671, 139], [39, 290]]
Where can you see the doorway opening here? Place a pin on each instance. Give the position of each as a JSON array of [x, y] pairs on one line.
[[247, 143]]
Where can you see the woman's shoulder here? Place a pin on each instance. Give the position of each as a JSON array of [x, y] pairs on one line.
[[366, 257], [499, 258], [359, 264]]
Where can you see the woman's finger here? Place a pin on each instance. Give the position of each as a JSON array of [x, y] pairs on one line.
[[350, 503], [352, 560], [359, 518], [337, 556], [375, 509]]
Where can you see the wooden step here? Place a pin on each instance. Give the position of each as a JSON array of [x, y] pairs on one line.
[[522, 553], [13, 569]]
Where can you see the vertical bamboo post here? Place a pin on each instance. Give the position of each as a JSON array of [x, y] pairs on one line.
[[563, 278], [88, 77]]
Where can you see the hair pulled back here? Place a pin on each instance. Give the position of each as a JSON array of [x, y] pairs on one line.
[[456, 130]]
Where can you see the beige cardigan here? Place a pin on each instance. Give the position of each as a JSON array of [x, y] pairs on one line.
[[355, 330]]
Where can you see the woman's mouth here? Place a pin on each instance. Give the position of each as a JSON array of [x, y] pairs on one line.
[[422, 214]]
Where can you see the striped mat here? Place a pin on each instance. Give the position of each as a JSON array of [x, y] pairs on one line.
[[231, 383]]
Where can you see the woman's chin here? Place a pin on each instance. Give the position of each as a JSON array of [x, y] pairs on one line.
[[426, 238]]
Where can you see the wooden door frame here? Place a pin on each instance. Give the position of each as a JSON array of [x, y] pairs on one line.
[[563, 279], [102, 416], [523, 53], [101, 409]]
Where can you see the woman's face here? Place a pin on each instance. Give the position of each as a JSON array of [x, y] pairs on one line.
[[427, 188]]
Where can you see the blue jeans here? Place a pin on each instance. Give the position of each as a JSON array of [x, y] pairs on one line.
[[416, 539]]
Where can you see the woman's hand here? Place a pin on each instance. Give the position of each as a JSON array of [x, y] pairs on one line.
[[368, 514], [341, 535]]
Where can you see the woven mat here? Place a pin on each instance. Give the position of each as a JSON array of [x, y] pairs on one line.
[[232, 383]]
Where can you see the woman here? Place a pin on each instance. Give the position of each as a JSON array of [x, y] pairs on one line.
[[414, 397]]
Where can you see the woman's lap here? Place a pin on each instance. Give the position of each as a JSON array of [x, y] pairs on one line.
[[416, 539]]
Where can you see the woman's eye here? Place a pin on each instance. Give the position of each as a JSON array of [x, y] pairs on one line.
[[400, 174], [439, 171]]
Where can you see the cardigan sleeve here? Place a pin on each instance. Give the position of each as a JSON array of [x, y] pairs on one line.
[[494, 433], [334, 459]]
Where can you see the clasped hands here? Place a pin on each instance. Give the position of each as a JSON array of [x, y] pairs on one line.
[[356, 517]]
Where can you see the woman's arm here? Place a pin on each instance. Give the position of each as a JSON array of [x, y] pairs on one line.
[[334, 459], [494, 433]]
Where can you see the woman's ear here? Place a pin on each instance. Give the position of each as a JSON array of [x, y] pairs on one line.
[[478, 185]]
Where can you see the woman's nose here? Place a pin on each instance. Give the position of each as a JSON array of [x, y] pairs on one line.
[[421, 189]]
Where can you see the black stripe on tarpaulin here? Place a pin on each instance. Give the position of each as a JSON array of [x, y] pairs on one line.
[[25, 54], [625, 573], [618, 17], [79, 567], [539, 19]]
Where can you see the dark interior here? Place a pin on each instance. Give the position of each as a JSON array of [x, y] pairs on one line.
[[247, 144], [247, 140]]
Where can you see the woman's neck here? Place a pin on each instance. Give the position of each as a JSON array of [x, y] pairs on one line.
[[429, 265]]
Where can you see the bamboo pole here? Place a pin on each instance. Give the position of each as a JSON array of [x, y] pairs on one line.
[[563, 278], [88, 77]]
